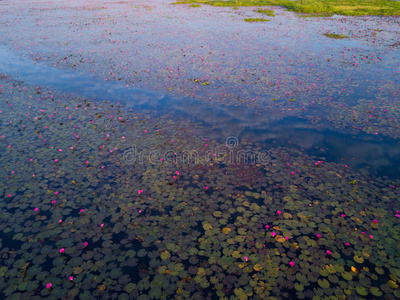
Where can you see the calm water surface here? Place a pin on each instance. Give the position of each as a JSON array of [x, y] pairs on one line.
[[87, 85]]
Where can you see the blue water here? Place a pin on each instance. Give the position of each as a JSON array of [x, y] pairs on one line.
[[379, 155]]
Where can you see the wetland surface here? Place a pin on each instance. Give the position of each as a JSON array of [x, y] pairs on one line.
[[151, 150]]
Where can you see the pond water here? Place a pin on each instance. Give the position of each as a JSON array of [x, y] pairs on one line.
[[152, 150], [380, 155]]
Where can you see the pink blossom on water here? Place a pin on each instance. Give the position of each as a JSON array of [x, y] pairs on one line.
[[62, 250], [246, 258], [273, 233], [328, 252], [140, 191], [267, 226], [343, 215], [375, 221], [278, 212], [291, 264], [371, 236], [49, 285], [36, 209], [319, 236], [85, 244], [71, 278]]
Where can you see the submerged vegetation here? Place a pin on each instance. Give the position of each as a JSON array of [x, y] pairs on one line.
[[343, 7]]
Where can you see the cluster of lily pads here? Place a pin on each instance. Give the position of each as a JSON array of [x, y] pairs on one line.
[[79, 220], [82, 218]]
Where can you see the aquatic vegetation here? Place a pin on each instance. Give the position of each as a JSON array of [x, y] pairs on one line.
[[316, 15], [268, 12], [252, 20], [275, 226], [348, 7], [111, 189], [285, 68], [335, 36]]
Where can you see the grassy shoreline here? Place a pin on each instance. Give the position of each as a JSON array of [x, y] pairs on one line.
[[339, 7]]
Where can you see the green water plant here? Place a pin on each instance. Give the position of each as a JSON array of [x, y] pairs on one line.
[[253, 20], [316, 7], [335, 36], [268, 12]]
